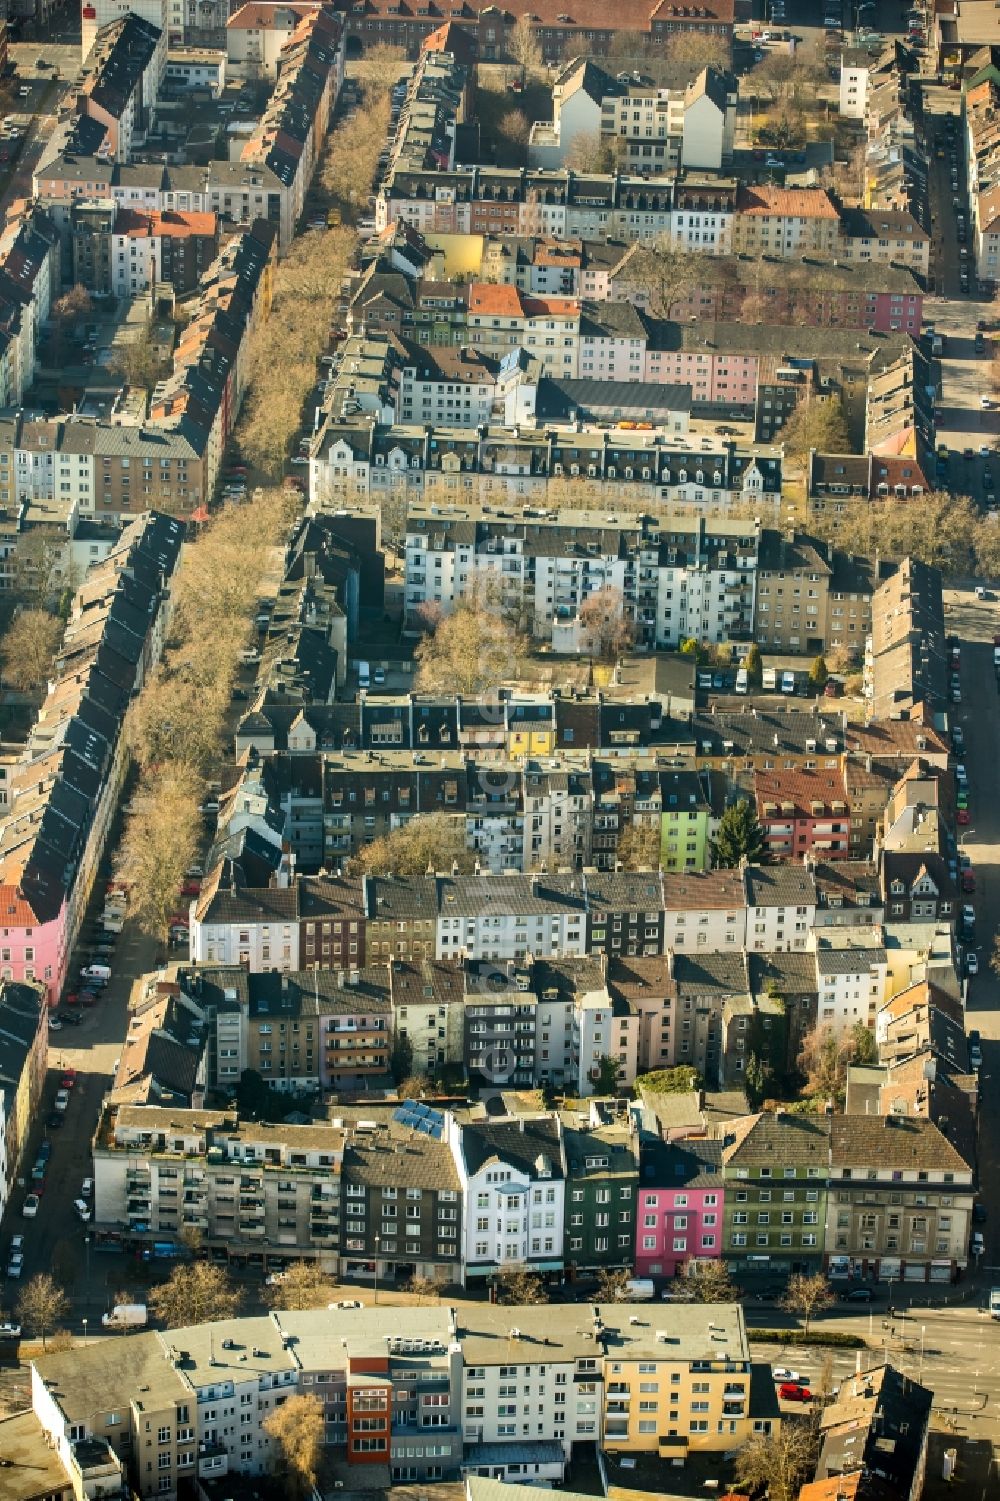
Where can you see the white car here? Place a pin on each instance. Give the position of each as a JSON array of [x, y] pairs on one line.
[[17, 1245], [10, 1331], [785, 1373], [30, 1208], [15, 1267], [87, 1188], [55, 1025], [972, 963], [978, 1244], [62, 1099], [82, 1208]]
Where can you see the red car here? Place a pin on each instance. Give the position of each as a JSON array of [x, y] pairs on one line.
[[72, 999], [191, 888], [68, 1078], [968, 879], [789, 1391], [963, 816]]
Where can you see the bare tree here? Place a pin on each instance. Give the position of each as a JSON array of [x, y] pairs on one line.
[[699, 49], [807, 1296], [519, 1286], [777, 1462], [639, 846], [304, 1285], [472, 651], [707, 1282], [515, 127], [28, 647], [817, 423], [607, 630], [613, 1285], [425, 1289], [195, 1294], [430, 841], [41, 1304], [160, 842], [298, 1427], [664, 274], [525, 48]]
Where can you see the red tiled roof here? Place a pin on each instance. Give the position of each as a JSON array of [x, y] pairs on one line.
[[263, 17], [178, 224], [797, 203], [801, 788], [497, 302]]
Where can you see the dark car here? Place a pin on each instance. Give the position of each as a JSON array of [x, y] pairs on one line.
[[856, 1295], [979, 1213], [72, 1017], [54, 1121]]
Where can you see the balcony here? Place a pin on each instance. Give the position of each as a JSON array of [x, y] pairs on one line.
[[98, 1467]]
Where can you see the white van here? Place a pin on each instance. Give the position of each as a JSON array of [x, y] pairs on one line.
[[769, 677], [125, 1316], [742, 681], [364, 675], [98, 974], [113, 921], [788, 682]]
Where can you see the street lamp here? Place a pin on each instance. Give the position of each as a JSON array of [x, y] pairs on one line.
[[378, 1242], [923, 1331], [84, 1331]]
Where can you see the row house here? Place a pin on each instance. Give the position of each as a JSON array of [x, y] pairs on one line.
[[257, 36], [359, 456], [785, 222], [488, 33], [289, 136], [346, 924], [900, 1200], [402, 1198], [802, 811], [24, 1053], [887, 236], [435, 105], [29, 280], [513, 1183], [775, 1169], [391, 1400], [679, 1215], [126, 66], [238, 193], [982, 156], [602, 1187], [63, 791], [677, 577]]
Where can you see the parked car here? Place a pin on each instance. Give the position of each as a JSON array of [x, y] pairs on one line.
[[785, 1373], [15, 1266], [972, 963], [856, 1295], [791, 1391], [10, 1331], [30, 1206], [83, 1209], [978, 1244]]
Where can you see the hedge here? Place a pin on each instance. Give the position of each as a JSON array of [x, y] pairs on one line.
[[839, 1339]]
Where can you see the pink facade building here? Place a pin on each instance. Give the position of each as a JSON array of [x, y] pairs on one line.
[[679, 1215]]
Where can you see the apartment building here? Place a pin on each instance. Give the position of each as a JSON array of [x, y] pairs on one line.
[[402, 1198], [249, 1188], [428, 1009], [559, 35], [389, 1398], [679, 1216], [900, 1200], [130, 1419], [125, 72], [359, 456], [513, 1182], [668, 1392], [146, 248], [63, 793], [873, 1435], [238, 1372], [602, 1185], [29, 278], [789, 222], [887, 236], [905, 662], [256, 36], [803, 811], [684, 117], [774, 1170], [695, 577], [24, 1046]]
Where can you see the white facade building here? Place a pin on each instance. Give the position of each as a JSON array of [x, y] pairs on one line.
[[513, 1179]]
